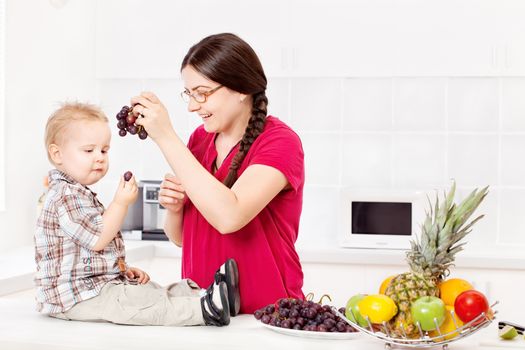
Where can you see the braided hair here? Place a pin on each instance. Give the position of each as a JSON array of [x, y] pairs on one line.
[[230, 61]]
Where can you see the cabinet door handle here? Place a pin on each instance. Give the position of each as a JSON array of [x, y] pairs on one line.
[[284, 58], [507, 56], [494, 57], [294, 58]]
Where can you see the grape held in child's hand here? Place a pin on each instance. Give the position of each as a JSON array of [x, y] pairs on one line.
[[128, 175]]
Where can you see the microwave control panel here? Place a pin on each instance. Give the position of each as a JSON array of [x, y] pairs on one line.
[[151, 194]]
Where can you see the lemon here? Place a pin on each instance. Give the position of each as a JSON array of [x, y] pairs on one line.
[[378, 308], [448, 326], [508, 333]]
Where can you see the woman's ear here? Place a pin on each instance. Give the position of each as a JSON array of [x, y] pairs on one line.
[[242, 97], [54, 153]]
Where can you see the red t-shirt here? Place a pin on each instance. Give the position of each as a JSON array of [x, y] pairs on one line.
[[269, 267]]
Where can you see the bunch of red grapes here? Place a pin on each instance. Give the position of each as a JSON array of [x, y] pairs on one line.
[[303, 315], [126, 123]]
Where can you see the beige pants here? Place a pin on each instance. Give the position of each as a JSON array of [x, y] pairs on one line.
[[148, 305]]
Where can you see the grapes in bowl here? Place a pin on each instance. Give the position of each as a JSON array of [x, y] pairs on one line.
[[303, 315]]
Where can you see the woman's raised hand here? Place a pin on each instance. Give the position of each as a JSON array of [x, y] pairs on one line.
[[171, 193], [152, 115]]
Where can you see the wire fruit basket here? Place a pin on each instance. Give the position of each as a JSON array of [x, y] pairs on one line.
[[383, 331]]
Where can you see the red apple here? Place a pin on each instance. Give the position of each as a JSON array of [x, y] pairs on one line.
[[470, 304]]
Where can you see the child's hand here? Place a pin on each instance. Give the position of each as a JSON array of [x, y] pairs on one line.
[[171, 193], [136, 274], [127, 192]]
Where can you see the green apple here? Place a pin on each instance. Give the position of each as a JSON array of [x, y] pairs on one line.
[[425, 309], [352, 309]]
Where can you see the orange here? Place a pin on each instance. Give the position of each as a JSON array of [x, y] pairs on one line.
[[451, 288], [384, 284], [448, 326]]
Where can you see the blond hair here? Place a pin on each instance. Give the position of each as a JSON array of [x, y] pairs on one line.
[[68, 113]]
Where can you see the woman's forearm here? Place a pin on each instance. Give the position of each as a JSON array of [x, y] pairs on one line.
[[173, 226]]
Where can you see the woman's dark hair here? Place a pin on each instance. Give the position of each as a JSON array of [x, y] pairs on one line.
[[230, 61]]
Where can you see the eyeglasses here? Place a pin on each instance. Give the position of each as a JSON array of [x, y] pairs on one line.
[[198, 96]]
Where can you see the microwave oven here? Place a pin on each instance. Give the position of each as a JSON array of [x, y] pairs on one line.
[[380, 218]]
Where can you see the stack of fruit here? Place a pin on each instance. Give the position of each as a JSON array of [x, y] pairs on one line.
[[424, 296]]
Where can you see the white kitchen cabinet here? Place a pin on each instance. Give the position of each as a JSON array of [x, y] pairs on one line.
[[318, 38], [148, 39], [341, 38], [401, 38], [263, 25], [341, 281], [341, 273], [509, 54], [2, 101], [140, 39]]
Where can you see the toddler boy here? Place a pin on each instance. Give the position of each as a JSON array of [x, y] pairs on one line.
[[79, 251]]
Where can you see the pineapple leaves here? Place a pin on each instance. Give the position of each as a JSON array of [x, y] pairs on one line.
[[442, 232], [449, 200]]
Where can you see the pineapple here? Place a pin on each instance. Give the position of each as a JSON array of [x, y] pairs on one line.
[[431, 256]]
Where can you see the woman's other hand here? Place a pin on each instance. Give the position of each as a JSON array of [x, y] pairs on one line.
[[171, 194], [155, 118]]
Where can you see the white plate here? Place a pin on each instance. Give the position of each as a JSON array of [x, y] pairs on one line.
[[311, 334]]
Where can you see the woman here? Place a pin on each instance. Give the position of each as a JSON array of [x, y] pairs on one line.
[[239, 183]]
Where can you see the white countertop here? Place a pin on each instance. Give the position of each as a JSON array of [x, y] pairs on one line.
[[17, 266], [22, 328]]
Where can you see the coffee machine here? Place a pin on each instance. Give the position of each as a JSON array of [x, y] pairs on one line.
[[146, 215], [154, 213]]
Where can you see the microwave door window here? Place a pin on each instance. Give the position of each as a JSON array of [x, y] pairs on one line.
[[382, 218]]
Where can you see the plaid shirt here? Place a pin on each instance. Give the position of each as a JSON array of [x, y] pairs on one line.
[[68, 270]]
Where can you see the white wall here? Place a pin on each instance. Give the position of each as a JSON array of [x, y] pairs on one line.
[[50, 58], [370, 128]]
